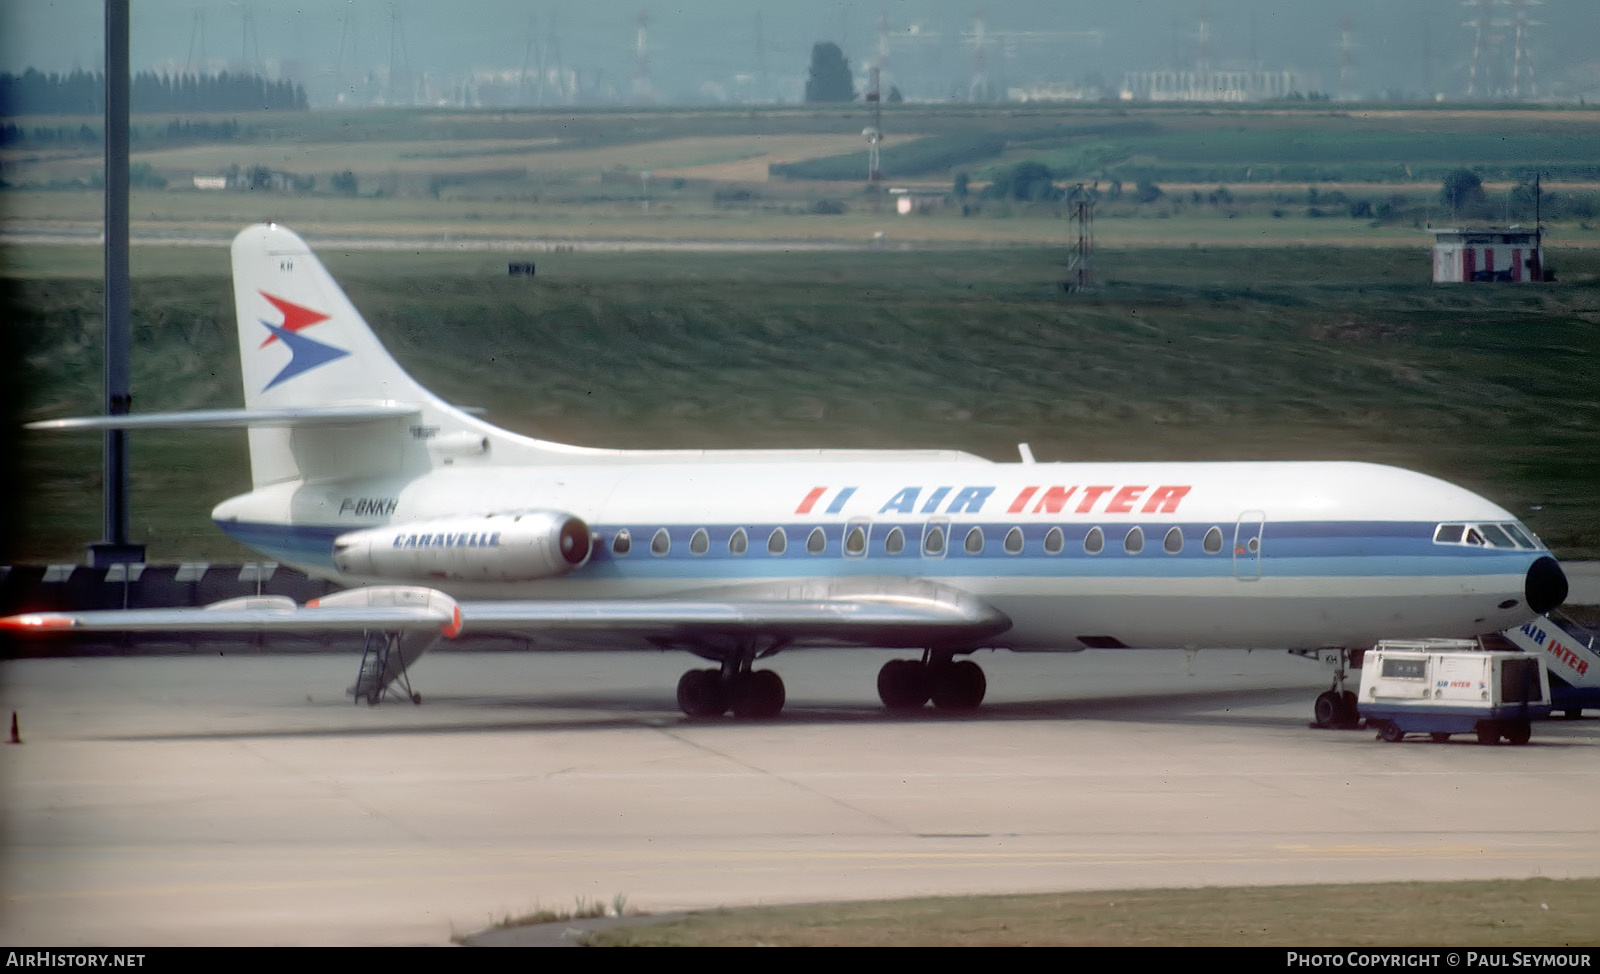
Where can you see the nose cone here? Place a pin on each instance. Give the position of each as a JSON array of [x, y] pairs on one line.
[[1546, 586]]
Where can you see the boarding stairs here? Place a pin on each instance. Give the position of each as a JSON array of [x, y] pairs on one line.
[[1571, 652]]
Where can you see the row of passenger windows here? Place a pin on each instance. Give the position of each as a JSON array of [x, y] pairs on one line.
[[933, 541], [1485, 535]]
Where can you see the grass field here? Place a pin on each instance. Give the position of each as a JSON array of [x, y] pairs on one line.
[[1530, 915], [1184, 354], [538, 165]]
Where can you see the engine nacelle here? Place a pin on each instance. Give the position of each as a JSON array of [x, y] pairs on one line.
[[498, 548]]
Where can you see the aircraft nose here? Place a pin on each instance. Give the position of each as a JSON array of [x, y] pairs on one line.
[[1546, 586]]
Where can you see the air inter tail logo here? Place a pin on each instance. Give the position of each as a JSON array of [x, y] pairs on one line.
[[305, 353]]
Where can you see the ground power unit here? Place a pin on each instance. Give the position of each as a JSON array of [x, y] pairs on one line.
[[1441, 687]]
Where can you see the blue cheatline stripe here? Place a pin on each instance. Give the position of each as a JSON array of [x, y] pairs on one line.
[[1289, 550], [299, 543]]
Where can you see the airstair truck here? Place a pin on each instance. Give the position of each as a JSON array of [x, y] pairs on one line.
[[1441, 687], [1571, 650]]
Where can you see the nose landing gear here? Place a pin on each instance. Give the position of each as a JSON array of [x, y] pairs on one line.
[[1336, 708]]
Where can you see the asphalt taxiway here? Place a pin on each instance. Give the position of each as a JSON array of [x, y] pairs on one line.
[[241, 799]]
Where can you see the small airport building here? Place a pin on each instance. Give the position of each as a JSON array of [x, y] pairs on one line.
[[1468, 254]]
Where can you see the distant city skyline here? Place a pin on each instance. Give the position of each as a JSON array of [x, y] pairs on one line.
[[699, 51]]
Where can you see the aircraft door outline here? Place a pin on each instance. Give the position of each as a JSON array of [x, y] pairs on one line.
[[935, 537], [1247, 532]]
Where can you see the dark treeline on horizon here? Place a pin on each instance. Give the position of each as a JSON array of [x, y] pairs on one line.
[[83, 93]]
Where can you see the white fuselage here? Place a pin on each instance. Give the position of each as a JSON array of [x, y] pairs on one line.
[[1292, 555]]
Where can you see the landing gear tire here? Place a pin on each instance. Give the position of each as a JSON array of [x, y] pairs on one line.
[[957, 686], [903, 684], [1488, 733], [701, 694], [1390, 731], [1518, 732], [1329, 709], [756, 695]]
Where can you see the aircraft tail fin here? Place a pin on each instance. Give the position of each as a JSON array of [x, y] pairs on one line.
[[303, 345], [301, 341]]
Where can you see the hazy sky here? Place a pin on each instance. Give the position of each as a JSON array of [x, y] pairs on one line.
[[698, 47]]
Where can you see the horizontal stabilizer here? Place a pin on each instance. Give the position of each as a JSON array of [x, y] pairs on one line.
[[235, 418]]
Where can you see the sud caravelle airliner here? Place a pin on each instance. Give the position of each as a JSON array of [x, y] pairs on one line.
[[439, 523]]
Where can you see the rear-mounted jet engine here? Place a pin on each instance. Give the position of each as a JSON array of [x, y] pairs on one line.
[[503, 547]]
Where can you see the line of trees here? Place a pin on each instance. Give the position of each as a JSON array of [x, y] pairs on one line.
[[83, 93]]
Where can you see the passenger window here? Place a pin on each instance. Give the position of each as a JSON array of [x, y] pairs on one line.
[[1173, 542], [1213, 541], [777, 542], [933, 541], [661, 543], [1054, 542], [738, 543], [700, 542], [974, 542], [855, 543], [622, 543], [1448, 533], [816, 541], [1133, 543], [1094, 542], [1014, 541], [895, 542]]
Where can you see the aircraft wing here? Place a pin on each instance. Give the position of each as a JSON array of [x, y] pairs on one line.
[[889, 613], [394, 608]]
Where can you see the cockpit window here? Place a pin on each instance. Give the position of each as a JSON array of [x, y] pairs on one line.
[[1518, 536], [1505, 535], [1497, 537]]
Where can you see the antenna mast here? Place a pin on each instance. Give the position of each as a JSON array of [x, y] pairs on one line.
[[874, 134], [1081, 266]]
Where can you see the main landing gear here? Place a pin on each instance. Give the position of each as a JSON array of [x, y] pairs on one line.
[[907, 684], [750, 694], [903, 684]]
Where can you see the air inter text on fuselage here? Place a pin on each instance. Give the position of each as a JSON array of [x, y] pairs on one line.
[[1086, 499]]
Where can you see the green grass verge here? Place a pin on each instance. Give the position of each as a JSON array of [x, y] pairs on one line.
[[1499, 915]]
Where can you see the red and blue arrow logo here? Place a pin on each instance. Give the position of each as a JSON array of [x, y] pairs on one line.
[[305, 353]]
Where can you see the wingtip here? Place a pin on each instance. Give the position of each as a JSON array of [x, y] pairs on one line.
[[37, 622], [453, 628]]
